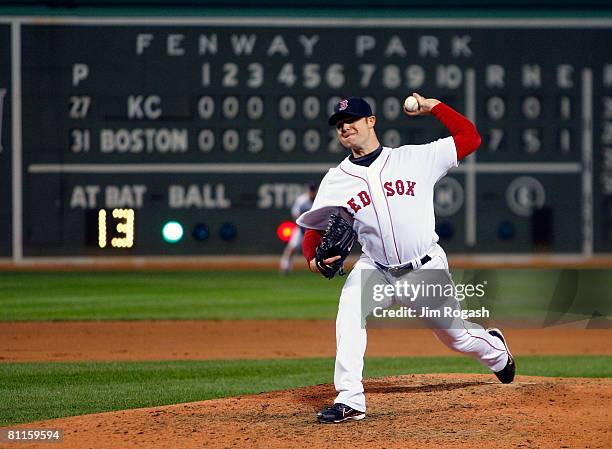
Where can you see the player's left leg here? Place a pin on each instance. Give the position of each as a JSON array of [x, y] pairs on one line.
[[351, 340]]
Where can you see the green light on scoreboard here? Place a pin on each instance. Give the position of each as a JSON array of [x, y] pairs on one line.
[[172, 232]]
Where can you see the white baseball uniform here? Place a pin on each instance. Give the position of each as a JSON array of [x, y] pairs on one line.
[[391, 202]]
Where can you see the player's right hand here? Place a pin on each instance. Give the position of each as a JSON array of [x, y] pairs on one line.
[[313, 264], [425, 105]]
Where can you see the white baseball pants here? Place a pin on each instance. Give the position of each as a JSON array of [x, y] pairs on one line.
[[351, 339]]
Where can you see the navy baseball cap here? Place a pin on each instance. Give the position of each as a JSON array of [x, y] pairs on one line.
[[350, 107]]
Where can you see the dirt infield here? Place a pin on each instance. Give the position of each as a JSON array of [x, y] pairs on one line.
[[443, 411], [416, 411], [202, 340]]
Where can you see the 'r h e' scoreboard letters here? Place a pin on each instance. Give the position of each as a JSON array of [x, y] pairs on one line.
[[222, 122]]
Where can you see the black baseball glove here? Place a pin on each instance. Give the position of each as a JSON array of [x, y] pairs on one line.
[[338, 240]]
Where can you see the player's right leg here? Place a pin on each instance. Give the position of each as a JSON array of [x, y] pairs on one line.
[[487, 346], [471, 339]]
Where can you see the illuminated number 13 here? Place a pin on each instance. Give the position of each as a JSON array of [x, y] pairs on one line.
[[124, 228]]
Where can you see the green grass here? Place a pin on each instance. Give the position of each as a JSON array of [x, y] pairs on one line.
[[38, 391], [538, 295], [181, 295]]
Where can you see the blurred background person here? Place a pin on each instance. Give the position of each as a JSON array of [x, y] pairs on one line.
[[302, 204]]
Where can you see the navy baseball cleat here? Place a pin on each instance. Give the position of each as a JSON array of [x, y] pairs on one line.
[[506, 375], [338, 413]]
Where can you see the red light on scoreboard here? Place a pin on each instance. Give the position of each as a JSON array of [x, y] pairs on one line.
[[285, 230]]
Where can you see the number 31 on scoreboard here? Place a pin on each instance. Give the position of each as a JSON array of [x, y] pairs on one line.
[[123, 231]]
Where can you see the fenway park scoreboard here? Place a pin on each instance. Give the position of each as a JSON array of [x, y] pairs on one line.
[[133, 136]]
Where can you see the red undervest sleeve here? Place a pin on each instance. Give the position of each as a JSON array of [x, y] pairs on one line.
[[464, 132], [311, 240]]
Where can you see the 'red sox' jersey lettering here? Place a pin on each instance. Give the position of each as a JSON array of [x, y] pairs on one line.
[[399, 187], [364, 200]]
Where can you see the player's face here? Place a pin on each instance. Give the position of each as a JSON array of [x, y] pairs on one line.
[[355, 132]]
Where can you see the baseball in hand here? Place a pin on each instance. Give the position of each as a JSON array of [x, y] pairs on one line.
[[411, 104]]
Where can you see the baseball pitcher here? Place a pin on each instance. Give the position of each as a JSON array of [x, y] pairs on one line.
[[383, 197]]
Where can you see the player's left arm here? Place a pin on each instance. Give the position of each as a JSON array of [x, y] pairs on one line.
[[464, 133], [312, 239]]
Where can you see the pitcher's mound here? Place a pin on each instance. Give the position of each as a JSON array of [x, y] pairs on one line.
[[442, 411]]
